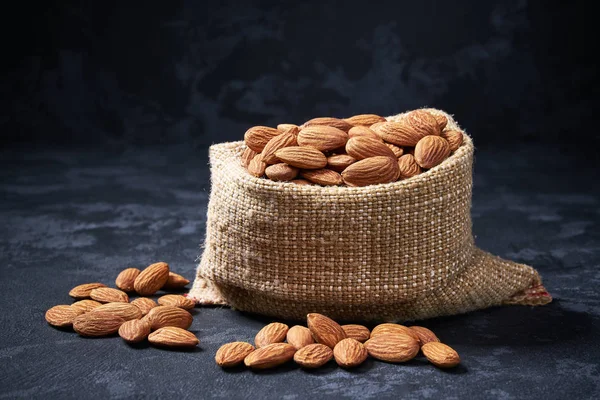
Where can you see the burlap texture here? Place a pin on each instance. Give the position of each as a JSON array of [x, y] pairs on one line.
[[398, 251]]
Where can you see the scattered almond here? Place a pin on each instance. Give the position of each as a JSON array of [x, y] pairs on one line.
[[171, 336], [270, 356], [299, 337], [62, 316], [358, 332], [126, 279], [325, 330], [135, 330], [83, 291], [175, 281], [162, 316], [109, 295], [350, 353], [383, 329], [425, 335], [313, 355], [233, 354], [152, 278], [86, 305], [97, 324], [274, 332], [144, 304], [126, 311], [440, 355], [176, 300], [392, 347]]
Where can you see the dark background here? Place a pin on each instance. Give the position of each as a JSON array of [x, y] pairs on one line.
[[107, 111], [191, 73]]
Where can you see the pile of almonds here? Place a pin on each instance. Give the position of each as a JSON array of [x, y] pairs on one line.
[[324, 339], [103, 311], [358, 151]]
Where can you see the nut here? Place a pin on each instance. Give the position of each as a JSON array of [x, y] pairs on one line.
[[313, 356], [270, 356], [440, 355], [299, 337], [233, 354], [371, 171], [358, 332], [109, 295], [302, 157], [144, 304], [361, 147], [392, 347], [454, 138], [96, 324], [171, 336], [339, 162], [135, 330], [162, 316], [286, 139], [364, 132], [408, 166], [83, 291], [325, 177], [424, 334], [126, 278], [175, 281], [350, 353], [323, 138], [387, 328], [329, 122], [152, 278], [431, 151], [86, 305], [281, 172], [126, 311], [273, 333], [247, 156], [364, 119], [176, 300], [257, 137], [62, 316], [325, 330], [257, 166]]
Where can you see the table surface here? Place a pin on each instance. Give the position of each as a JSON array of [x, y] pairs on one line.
[[70, 217]]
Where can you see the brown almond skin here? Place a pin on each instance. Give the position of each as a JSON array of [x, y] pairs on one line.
[[152, 278], [387, 328], [126, 311], [364, 132], [299, 336], [83, 291], [325, 330], [392, 347], [339, 162], [324, 177], [313, 355], [270, 356], [441, 355], [144, 304], [274, 332], [247, 156], [95, 324], [86, 305], [423, 122], [257, 166], [171, 336], [323, 138], [176, 300], [286, 139], [302, 157], [441, 120], [350, 353], [109, 295], [358, 332], [288, 127], [454, 138], [162, 316], [408, 166], [126, 279], [425, 335], [257, 137], [233, 354], [135, 330], [362, 147], [371, 171], [398, 151], [399, 133], [175, 281], [281, 172], [62, 316], [364, 119], [431, 151], [330, 122]]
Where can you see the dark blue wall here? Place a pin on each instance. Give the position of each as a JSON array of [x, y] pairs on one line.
[[193, 72]]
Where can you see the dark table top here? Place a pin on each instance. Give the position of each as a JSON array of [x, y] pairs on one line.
[[71, 217]]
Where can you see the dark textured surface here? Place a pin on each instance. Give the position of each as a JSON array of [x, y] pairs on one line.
[[72, 217]]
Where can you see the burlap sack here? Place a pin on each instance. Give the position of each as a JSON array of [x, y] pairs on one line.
[[398, 251]]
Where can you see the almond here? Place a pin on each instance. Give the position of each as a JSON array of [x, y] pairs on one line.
[[233, 354], [109, 295], [323, 138], [364, 119], [286, 139], [257, 166], [275, 332], [441, 120], [431, 151], [135, 330], [257, 137], [124, 310], [162, 316], [358, 332], [441, 355], [339, 162], [97, 324], [83, 291], [175, 281], [302, 157], [349, 353], [325, 177], [270, 356], [144, 304], [299, 336], [171, 336], [388, 328], [86, 305], [152, 278], [454, 138], [288, 127], [424, 334], [62, 316], [362, 147], [313, 355], [126, 278], [376, 125], [398, 151], [301, 182], [364, 132], [281, 172], [399, 133], [408, 166], [329, 122], [423, 122], [247, 156], [371, 171], [176, 300], [392, 347], [325, 330]]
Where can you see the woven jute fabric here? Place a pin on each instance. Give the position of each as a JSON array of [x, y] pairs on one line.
[[393, 252]]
